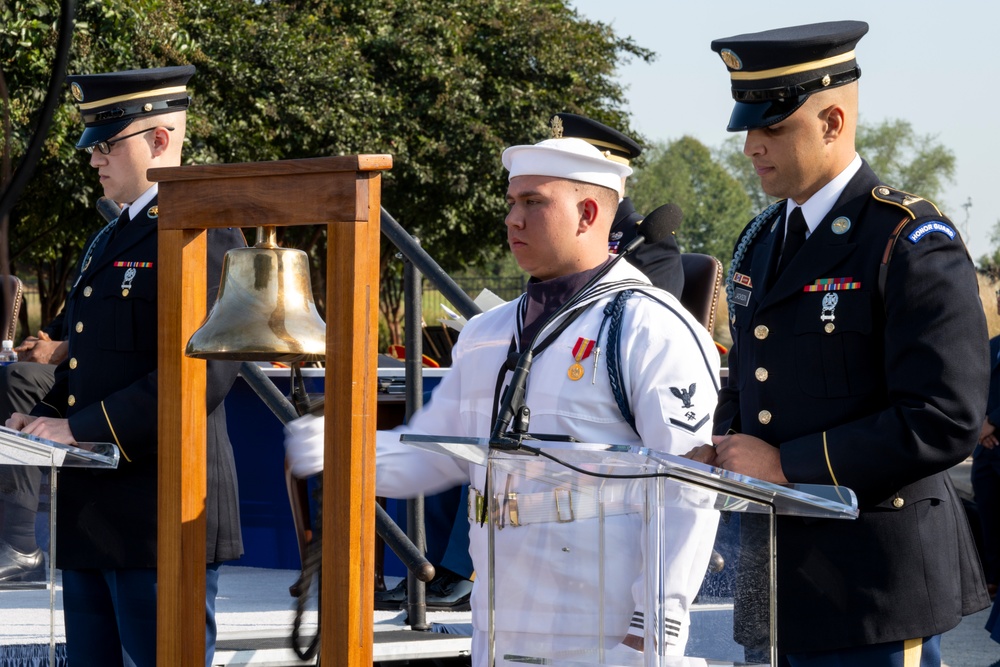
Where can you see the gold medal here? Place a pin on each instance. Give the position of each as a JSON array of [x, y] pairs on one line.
[[575, 372]]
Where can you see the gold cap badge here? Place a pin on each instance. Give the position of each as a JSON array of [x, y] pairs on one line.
[[556, 125], [731, 59]]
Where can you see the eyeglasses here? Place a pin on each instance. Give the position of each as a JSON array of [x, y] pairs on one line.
[[105, 146]]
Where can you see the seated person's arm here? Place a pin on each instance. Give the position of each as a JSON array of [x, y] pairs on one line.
[[42, 349]]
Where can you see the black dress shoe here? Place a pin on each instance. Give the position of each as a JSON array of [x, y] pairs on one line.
[[16, 567], [448, 592], [392, 599]]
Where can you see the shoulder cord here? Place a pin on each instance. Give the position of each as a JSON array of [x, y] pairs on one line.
[[90, 251], [741, 250], [614, 311]]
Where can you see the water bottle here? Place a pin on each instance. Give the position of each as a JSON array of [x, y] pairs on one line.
[[7, 353]]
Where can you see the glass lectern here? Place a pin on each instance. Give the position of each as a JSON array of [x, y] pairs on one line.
[[623, 555], [29, 468]]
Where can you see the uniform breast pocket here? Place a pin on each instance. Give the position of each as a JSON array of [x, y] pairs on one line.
[[835, 352], [128, 323], [743, 327]]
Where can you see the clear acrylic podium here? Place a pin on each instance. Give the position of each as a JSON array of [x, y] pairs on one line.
[[26, 463], [588, 542]]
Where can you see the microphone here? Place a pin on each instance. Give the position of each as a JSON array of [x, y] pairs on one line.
[[108, 209], [655, 227]]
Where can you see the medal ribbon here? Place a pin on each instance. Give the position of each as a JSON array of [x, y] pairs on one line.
[[582, 349]]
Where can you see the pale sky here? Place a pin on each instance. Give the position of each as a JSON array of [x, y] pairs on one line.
[[933, 64]]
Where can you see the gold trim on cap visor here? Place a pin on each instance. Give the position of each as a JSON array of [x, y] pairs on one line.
[[133, 96], [596, 143], [793, 69]]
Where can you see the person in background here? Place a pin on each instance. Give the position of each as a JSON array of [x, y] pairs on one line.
[[22, 385], [859, 358], [986, 472], [106, 390]]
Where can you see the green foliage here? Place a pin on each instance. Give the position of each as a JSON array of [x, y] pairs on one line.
[[907, 161], [56, 214], [730, 155], [989, 265], [715, 205], [441, 85]]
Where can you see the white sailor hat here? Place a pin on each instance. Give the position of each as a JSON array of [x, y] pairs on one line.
[[569, 158]]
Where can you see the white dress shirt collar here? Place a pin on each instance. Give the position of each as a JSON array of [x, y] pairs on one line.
[[821, 203]]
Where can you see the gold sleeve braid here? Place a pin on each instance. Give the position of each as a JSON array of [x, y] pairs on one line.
[[115, 435], [829, 467]]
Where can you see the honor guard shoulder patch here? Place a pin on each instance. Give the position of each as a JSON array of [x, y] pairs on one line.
[[915, 207], [928, 228]]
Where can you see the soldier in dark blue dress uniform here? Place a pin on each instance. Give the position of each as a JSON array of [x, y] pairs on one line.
[[859, 359], [661, 260], [106, 391]]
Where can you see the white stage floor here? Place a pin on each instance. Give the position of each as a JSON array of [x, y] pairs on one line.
[[254, 612]]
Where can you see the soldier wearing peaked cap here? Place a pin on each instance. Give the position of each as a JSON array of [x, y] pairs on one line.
[[660, 261], [859, 359], [106, 390]]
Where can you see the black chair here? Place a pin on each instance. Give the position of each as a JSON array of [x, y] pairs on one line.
[[702, 287], [14, 295]]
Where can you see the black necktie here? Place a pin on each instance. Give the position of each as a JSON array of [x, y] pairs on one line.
[[794, 238], [123, 219]]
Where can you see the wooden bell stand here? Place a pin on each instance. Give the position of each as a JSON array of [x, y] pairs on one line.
[[344, 194]]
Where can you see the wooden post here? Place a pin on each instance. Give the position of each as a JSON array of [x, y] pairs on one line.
[[344, 194]]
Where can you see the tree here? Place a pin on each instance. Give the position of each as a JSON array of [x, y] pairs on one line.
[[56, 211], [918, 164], [441, 85], [907, 161], [989, 265], [715, 205], [730, 155]]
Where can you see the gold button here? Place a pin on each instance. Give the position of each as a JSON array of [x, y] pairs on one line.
[[125, 292], [829, 327], [764, 417], [71, 400], [761, 332], [897, 502], [79, 327], [72, 362], [760, 374], [88, 290]]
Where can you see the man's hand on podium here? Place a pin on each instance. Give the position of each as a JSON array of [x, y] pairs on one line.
[[49, 428]]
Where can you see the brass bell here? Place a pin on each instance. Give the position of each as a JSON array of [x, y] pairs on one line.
[[265, 309]]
